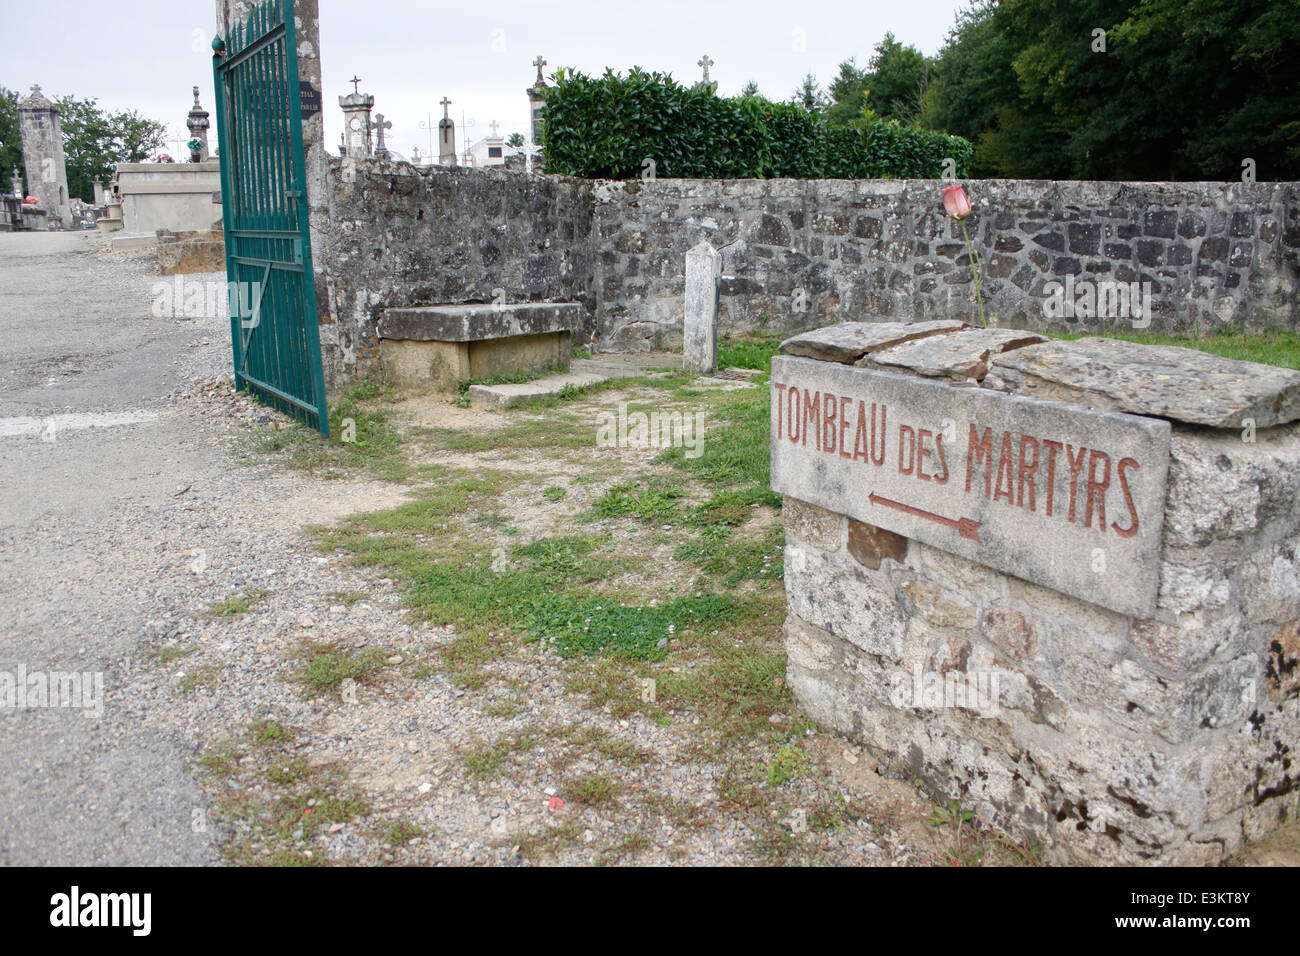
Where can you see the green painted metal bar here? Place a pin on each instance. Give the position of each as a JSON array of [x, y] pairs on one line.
[[266, 217]]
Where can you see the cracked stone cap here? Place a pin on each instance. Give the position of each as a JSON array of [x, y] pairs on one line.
[[1160, 381]]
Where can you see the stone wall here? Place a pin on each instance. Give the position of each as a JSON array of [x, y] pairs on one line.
[[1215, 253], [795, 254], [402, 236], [1165, 736]]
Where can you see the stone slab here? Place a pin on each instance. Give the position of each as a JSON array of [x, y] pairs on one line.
[[957, 355], [476, 322], [849, 341], [968, 470], [504, 396], [700, 321], [1162, 380]]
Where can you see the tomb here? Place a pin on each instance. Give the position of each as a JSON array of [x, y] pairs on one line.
[[437, 346], [1101, 537]]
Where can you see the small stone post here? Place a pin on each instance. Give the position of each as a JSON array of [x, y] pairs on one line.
[[700, 327]]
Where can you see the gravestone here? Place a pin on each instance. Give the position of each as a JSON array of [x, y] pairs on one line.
[[700, 323], [1059, 581]]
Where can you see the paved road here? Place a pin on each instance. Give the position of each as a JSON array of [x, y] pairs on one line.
[[81, 349]]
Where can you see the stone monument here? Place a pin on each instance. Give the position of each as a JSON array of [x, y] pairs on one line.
[[700, 322], [1056, 581], [357, 125], [47, 173], [198, 124], [536, 102], [446, 136], [381, 124]]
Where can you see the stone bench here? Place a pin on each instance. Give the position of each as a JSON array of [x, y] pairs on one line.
[[1058, 581], [436, 346]]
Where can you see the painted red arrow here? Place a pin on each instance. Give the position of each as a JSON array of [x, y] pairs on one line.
[[966, 527]]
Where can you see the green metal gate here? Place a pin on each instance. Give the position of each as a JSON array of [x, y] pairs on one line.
[[273, 323]]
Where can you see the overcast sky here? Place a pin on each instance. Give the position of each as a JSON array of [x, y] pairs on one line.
[[147, 54]]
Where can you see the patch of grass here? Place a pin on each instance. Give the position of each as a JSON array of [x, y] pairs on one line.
[[594, 789], [791, 763], [269, 733], [488, 760], [652, 500], [554, 493], [236, 605], [551, 840], [598, 624], [720, 554], [402, 833], [627, 848], [326, 666], [222, 760], [168, 655], [204, 675], [747, 352], [363, 439], [346, 598], [679, 813], [1279, 347]]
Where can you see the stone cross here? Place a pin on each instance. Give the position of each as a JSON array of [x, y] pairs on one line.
[[700, 326], [706, 63], [444, 104], [379, 125], [356, 83], [494, 124], [539, 63]]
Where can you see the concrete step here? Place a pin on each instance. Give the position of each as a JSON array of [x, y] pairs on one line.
[[504, 396]]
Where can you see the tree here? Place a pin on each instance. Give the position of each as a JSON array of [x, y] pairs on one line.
[[94, 141], [896, 78], [809, 95], [848, 95], [1123, 89], [515, 141], [11, 144], [751, 89]]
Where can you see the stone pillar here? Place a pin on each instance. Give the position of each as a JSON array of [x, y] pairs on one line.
[[198, 124], [315, 160], [700, 325], [47, 172], [535, 104], [1056, 581]]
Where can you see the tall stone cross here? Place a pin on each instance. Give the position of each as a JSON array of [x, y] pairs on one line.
[[539, 63], [444, 104], [706, 63], [356, 84], [379, 125], [494, 125]]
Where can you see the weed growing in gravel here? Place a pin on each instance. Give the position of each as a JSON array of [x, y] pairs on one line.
[[791, 763], [269, 733], [346, 598], [363, 440], [204, 675], [594, 789], [168, 655], [326, 666], [401, 833], [489, 760], [236, 605]]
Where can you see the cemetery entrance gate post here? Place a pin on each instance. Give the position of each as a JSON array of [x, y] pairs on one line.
[[273, 320]]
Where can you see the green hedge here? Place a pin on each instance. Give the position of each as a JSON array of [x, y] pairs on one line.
[[607, 127]]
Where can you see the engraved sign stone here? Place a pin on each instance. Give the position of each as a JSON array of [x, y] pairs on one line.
[[1068, 497]]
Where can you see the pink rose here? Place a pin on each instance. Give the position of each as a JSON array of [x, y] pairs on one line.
[[955, 202]]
